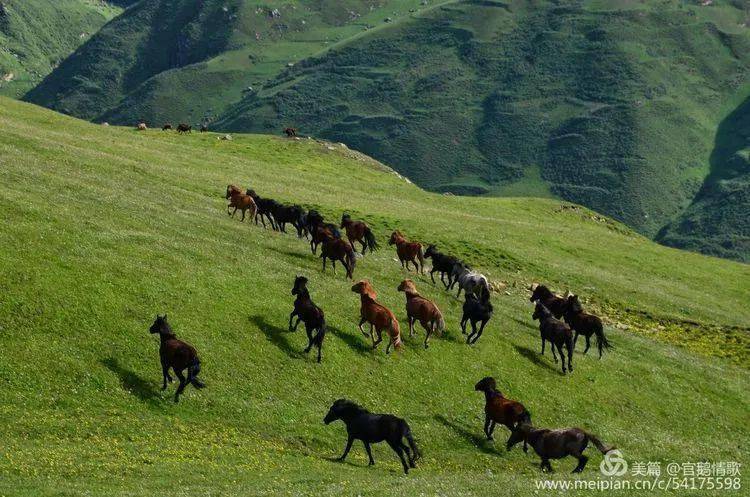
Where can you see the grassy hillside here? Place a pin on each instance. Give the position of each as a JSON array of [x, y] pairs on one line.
[[105, 227], [35, 35]]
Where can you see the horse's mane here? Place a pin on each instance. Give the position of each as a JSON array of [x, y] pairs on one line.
[[544, 291], [345, 405]]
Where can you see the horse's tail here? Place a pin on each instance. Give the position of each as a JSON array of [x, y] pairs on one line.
[[318, 338], [598, 443], [412, 443], [420, 255], [351, 258], [601, 340], [370, 240], [525, 417], [195, 369], [440, 322], [396, 330]]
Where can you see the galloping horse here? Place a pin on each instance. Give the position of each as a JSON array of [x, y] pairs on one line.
[[442, 264], [556, 305], [469, 281], [309, 313], [337, 249], [407, 251], [177, 355], [358, 231], [420, 309], [240, 201], [380, 317], [498, 409], [556, 332], [585, 324], [266, 207], [320, 230]]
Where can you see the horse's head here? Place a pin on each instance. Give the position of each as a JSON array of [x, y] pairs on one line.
[[340, 409], [541, 312], [539, 292], [161, 326], [232, 189], [408, 286], [431, 250], [363, 287], [345, 219], [486, 384], [396, 237], [519, 434], [573, 304], [300, 284], [252, 193]]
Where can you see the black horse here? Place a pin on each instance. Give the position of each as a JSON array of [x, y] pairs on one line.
[[361, 424], [556, 332], [178, 356], [310, 314], [266, 206], [476, 308], [320, 230], [585, 324], [441, 263], [556, 444], [556, 305]]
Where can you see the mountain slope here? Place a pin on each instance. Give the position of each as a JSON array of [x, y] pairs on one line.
[[108, 226], [35, 35]]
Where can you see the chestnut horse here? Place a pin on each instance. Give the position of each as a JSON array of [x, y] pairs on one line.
[[379, 317], [407, 251], [498, 409], [177, 355], [358, 231], [337, 249], [239, 200], [420, 309]]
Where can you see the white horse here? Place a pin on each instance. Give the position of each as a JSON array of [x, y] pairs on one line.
[[469, 281]]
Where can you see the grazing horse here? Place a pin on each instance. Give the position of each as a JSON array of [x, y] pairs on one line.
[[358, 231], [292, 214], [239, 200], [177, 355], [499, 410], [379, 317], [309, 313], [290, 132], [420, 309], [337, 249], [407, 251], [476, 309], [184, 128], [166, 127], [266, 207], [442, 264], [556, 444], [469, 281], [556, 332], [361, 424], [556, 305], [585, 324]]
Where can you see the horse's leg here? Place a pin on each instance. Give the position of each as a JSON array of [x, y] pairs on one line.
[[575, 339], [459, 290], [380, 336], [552, 346], [432, 275], [487, 423], [165, 374], [411, 320], [409, 456], [243, 215], [473, 331], [320, 349], [546, 466], [492, 430], [463, 325], [396, 446], [348, 447], [324, 262], [183, 384], [361, 322], [543, 341], [570, 358], [234, 211], [588, 344], [309, 338], [481, 330], [291, 316], [369, 453], [388, 347], [582, 460], [333, 263], [428, 332]]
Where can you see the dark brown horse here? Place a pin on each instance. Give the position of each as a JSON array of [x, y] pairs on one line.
[[556, 332], [184, 128], [420, 309], [380, 317], [407, 251], [358, 231], [585, 324], [556, 444], [310, 314], [177, 355], [555, 304], [337, 249], [499, 410], [290, 132], [240, 201], [166, 127]]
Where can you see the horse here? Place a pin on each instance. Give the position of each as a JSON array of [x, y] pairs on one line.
[[358, 231], [380, 317], [420, 309], [177, 355], [203, 128], [310, 314], [476, 309], [266, 207], [558, 333], [499, 410], [184, 128], [556, 305], [442, 264], [166, 127], [320, 230], [361, 424], [556, 444], [469, 281], [585, 324], [239, 200], [337, 249], [290, 132], [284, 214], [141, 127], [407, 251]]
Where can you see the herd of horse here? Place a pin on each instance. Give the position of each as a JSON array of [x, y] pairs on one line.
[[561, 321]]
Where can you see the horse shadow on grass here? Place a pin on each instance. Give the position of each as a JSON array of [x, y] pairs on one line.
[[536, 358], [355, 342], [277, 336], [307, 257], [474, 439], [525, 323], [141, 388]]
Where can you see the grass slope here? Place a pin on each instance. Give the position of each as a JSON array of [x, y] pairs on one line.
[[105, 227], [35, 35]]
